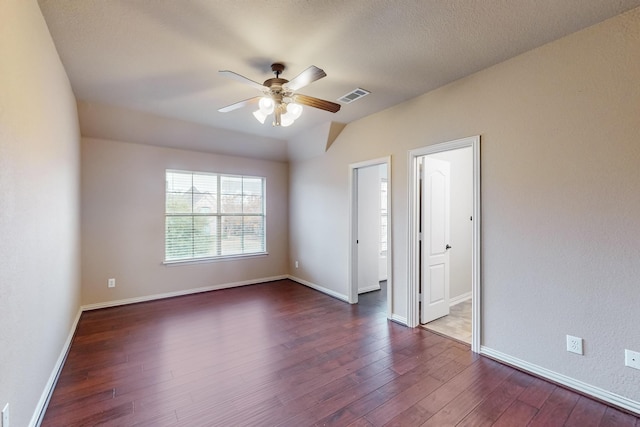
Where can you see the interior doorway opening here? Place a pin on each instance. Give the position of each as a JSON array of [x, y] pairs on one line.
[[370, 254], [446, 216], [444, 239]]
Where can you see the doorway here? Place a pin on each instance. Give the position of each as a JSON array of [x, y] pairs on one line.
[[444, 236], [370, 249], [445, 221]]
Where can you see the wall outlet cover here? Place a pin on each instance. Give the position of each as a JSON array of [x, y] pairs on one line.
[[574, 344], [632, 359]]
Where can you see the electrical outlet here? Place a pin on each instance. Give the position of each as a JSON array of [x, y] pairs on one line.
[[5, 416], [574, 344], [111, 283], [632, 359], [296, 264]]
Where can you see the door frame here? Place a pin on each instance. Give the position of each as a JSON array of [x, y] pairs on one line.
[[413, 298], [353, 229]]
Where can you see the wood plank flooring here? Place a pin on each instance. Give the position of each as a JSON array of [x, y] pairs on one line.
[[281, 354]]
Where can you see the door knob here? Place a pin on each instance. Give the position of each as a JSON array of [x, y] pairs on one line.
[[447, 247]]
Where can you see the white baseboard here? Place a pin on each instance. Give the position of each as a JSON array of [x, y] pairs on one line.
[[320, 288], [460, 298], [588, 389], [369, 289], [38, 414], [146, 298]]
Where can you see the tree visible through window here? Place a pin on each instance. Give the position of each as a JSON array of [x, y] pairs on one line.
[[210, 215]]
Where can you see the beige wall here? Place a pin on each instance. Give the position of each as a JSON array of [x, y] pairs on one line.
[[39, 208], [560, 129], [122, 228]]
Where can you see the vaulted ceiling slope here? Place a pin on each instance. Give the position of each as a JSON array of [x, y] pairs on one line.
[[162, 57]]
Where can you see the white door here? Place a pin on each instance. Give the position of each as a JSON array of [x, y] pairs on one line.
[[435, 239], [368, 206]]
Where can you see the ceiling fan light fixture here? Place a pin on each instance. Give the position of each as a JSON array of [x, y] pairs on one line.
[[292, 112], [266, 105], [286, 120], [295, 110], [260, 116]]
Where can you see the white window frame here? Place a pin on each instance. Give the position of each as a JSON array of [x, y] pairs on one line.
[[219, 214]]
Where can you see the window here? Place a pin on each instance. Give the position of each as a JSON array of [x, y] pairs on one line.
[[209, 215], [383, 217]]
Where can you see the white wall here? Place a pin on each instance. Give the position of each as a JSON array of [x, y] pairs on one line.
[[560, 205], [39, 208], [461, 209], [123, 199]]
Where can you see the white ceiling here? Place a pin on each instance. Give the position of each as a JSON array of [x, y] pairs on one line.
[[161, 57]]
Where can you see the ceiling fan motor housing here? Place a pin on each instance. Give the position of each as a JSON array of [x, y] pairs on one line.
[[277, 68]]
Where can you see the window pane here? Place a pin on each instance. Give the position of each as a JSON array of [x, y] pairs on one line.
[[383, 235], [231, 203], [252, 186], [178, 237], [231, 184], [252, 204], [179, 182], [383, 217], [179, 203], [253, 234], [205, 183], [231, 235], [205, 203], [204, 236]]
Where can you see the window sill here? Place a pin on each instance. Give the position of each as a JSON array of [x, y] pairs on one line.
[[214, 259]]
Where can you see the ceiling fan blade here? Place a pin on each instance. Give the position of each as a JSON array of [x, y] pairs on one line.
[[316, 103], [242, 79], [306, 77], [240, 104]]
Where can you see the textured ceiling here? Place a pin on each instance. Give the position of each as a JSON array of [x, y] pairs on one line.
[[162, 56]]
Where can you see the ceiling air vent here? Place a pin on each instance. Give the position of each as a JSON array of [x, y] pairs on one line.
[[353, 95]]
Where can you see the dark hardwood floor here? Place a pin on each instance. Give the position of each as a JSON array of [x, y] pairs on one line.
[[281, 354]]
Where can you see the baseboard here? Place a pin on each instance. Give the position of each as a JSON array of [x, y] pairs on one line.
[[154, 297], [320, 288], [460, 298], [38, 414], [369, 289], [579, 386]]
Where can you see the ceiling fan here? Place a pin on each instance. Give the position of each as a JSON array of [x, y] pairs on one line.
[[280, 97]]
